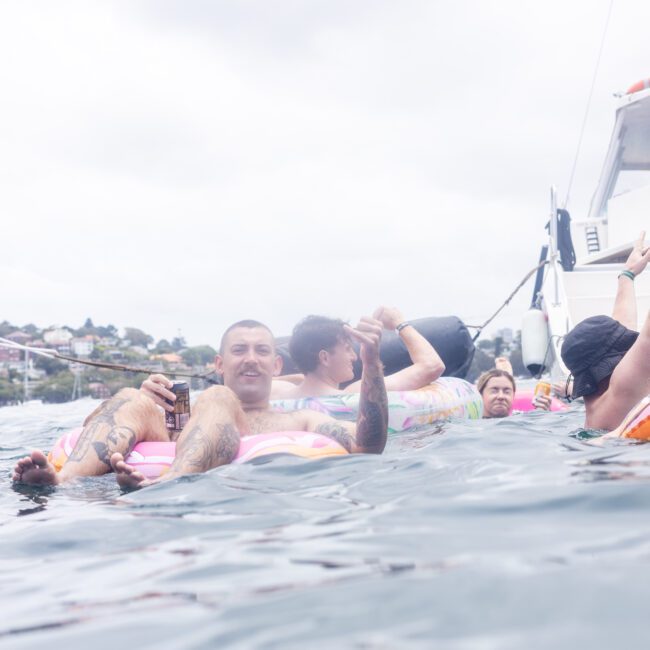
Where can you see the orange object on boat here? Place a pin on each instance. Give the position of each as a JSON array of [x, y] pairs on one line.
[[639, 85], [637, 422]]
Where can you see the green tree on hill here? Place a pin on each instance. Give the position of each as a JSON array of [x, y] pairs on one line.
[[198, 355], [10, 393], [163, 347], [51, 366], [56, 389], [137, 336], [115, 379], [97, 330], [178, 343]]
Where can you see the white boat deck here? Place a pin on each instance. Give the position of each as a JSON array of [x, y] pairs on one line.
[[592, 292], [620, 210]]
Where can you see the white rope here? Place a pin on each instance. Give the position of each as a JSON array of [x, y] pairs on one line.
[[53, 354], [584, 119], [6, 343]]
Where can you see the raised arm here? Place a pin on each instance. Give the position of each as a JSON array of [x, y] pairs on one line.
[[371, 429], [372, 420], [625, 301], [426, 367], [631, 378]]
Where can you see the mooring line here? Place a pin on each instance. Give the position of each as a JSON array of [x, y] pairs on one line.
[[507, 300], [53, 354]]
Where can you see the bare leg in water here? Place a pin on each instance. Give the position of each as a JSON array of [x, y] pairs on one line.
[[209, 439], [116, 426]]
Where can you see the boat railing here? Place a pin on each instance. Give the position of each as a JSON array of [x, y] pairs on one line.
[[553, 247]]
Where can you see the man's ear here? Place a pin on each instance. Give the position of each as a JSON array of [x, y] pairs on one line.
[[324, 357], [218, 364], [277, 367]]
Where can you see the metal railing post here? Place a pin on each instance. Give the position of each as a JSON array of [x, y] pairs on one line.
[[553, 245]]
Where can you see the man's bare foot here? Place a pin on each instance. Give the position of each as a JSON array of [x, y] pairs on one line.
[[35, 470], [127, 477]]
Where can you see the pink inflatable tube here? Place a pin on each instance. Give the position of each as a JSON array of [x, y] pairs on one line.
[[523, 401], [154, 458]]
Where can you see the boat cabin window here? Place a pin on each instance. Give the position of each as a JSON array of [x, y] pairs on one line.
[[630, 180], [632, 163]]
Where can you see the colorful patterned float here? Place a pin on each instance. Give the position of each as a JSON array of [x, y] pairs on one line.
[[407, 410]]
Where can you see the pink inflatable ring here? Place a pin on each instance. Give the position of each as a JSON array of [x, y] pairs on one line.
[[154, 458], [523, 402]]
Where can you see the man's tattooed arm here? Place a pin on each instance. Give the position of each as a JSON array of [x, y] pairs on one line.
[[372, 420], [338, 432], [200, 450], [369, 435]]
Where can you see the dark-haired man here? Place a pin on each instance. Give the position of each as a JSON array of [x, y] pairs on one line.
[[322, 349], [248, 362], [609, 359]]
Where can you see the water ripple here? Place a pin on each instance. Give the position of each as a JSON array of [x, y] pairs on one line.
[[483, 534]]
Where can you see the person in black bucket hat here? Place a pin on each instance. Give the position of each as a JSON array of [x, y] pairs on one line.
[[608, 358], [592, 350]]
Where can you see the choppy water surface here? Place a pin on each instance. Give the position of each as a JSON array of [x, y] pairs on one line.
[[488, 534]]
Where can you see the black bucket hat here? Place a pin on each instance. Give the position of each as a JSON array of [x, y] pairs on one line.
[[592, 349]]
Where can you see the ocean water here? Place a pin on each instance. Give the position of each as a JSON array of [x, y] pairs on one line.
[[474, 534]]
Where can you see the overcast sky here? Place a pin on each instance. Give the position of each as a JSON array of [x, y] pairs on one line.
[[179, 165]]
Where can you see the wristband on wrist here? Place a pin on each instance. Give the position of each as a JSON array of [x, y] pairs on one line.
[[628, 274], [401, 326]]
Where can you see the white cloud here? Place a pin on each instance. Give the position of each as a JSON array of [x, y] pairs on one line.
[[181, 165]]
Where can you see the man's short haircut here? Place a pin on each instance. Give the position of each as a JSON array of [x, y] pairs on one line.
[[247, 324], [311, 335], [495, 372]]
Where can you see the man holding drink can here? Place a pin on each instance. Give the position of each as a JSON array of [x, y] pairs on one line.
[[247, 360]]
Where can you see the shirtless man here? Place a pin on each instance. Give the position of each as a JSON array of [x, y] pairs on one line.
[[322, 349], [609, 360], [248, 363]]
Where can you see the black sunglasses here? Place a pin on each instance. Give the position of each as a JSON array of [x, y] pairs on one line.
[[566, 388]]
